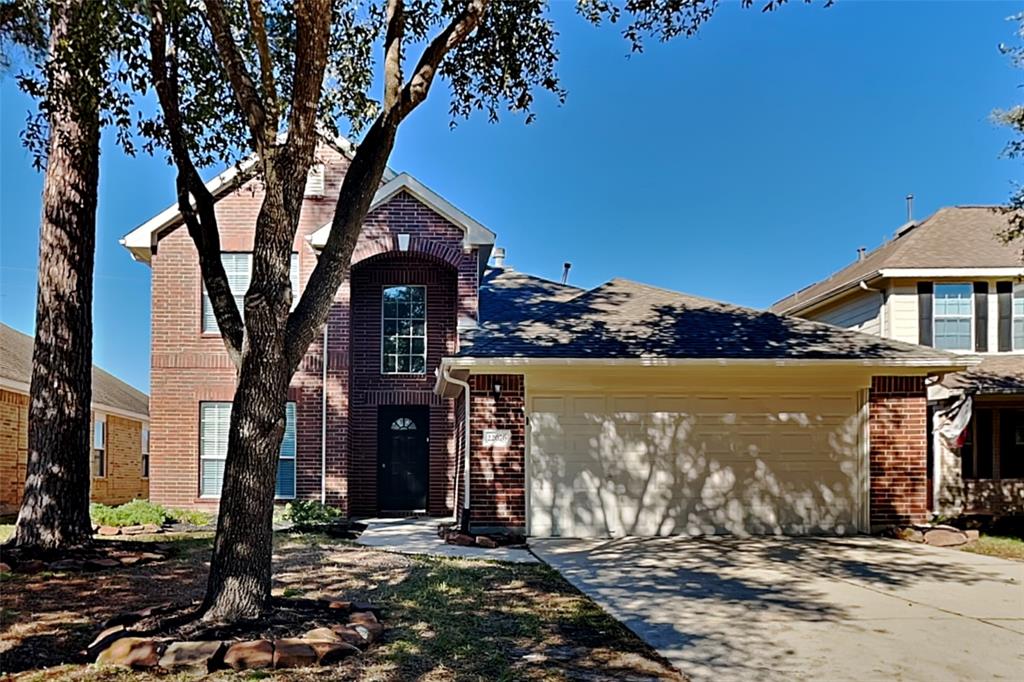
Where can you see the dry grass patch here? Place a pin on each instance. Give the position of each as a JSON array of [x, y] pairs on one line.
[[1005, 547], [448, 619]]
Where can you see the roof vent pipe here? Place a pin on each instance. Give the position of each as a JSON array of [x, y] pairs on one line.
[[910, 208], [499, 257], [860, 253], [565, 272]]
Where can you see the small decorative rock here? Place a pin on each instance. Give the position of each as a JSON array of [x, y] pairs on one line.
[[4, 568], [130, 652], [323, 635], [364, 618], [250, 655], [66, 565], [941, 537], [193, 657], [349, 635], [366, 606], [105, 638], [151, 528], [972, 535], [485, 542], [329, 653], [294, 653], [151, 556], [100, 564], [133, 530], [31, 566], [461, 539], [336, 605], [109, 530], [369, 633]]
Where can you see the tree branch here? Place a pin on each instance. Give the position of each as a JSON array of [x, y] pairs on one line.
[[360, 184], [201, 219], [258, 23], [312, 41], [241, 83], [415, 91], [393, 53]]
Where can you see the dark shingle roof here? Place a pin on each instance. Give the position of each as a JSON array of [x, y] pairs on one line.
[[994, 375], [624, 319], [953, 237], [16, 366]]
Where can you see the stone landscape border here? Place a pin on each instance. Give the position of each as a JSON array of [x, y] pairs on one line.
[[357, 627]]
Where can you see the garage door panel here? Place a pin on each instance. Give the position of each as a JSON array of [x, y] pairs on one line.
[[650, 465]]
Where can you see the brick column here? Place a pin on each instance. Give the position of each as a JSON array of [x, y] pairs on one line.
[[898, 432], [497, 474]]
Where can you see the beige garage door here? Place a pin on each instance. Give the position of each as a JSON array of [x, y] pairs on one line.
[[614, 465]]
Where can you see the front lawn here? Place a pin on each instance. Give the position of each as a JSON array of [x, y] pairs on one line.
[[1003, 546], [447, 619]]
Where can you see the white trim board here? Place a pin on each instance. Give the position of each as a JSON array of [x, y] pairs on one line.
[[475, 233]]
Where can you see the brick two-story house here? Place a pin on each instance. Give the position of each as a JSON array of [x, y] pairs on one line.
[[948, 282], [621, 409]]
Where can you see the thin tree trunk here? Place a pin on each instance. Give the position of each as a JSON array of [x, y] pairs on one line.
[[54, 512]]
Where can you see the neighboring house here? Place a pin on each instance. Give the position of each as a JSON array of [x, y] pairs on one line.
[[948, 282], [120, 429], [624, 409]]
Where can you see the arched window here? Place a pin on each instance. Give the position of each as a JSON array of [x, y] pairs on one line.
[[403, 424]]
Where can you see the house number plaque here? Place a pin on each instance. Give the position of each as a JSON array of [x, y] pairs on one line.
[[497, 438]]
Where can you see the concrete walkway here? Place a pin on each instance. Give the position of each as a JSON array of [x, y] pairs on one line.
[[419, 536], [809, 608]]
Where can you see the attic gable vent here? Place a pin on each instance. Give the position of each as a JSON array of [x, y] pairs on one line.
[[315, 181]]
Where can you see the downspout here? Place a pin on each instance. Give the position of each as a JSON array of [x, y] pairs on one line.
[[323, 417], [881, 307], [464, 523]]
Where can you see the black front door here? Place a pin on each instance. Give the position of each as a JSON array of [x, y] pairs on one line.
[[402, 449]]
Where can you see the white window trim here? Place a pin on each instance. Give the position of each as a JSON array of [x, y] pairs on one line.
[[1018, 287], [223, 458], [145, 462], [970, 317], [99, 418], [205, 296], [426, 332]]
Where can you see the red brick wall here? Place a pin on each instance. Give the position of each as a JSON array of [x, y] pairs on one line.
[[370, 388], [189, 367], [898, 434], [498, 475]]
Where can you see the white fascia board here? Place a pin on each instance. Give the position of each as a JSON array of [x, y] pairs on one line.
[[1015, 271], [803, 306], [933, 364], [23, 388], [475, 233], [141, 241]]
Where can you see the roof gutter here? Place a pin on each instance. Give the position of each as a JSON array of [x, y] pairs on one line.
[[802, 306], [935, 364]]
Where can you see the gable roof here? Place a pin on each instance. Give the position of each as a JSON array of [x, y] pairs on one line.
[[960, 237], [625, 320], [475, 233], [141, 241], [109, 394]]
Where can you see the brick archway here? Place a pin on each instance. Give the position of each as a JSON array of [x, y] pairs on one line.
[[426, 248]]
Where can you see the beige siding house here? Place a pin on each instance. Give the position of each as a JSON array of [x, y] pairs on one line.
[[120, 429], [949, 282]]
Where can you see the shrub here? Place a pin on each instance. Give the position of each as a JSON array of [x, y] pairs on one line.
[[311, 513], [134, 513], [143, 512]]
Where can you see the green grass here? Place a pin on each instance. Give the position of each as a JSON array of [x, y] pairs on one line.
[[1006, 547], [144, 512]]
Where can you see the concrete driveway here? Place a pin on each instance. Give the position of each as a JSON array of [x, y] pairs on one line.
[[810, 608]]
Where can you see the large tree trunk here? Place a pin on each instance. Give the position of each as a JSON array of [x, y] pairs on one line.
[[55, 508]]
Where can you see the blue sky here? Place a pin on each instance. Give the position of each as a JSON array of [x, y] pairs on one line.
[[741, 164]]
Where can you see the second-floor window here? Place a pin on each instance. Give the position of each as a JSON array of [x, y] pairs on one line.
[[404, 330], [238, 267], [953, 316]]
